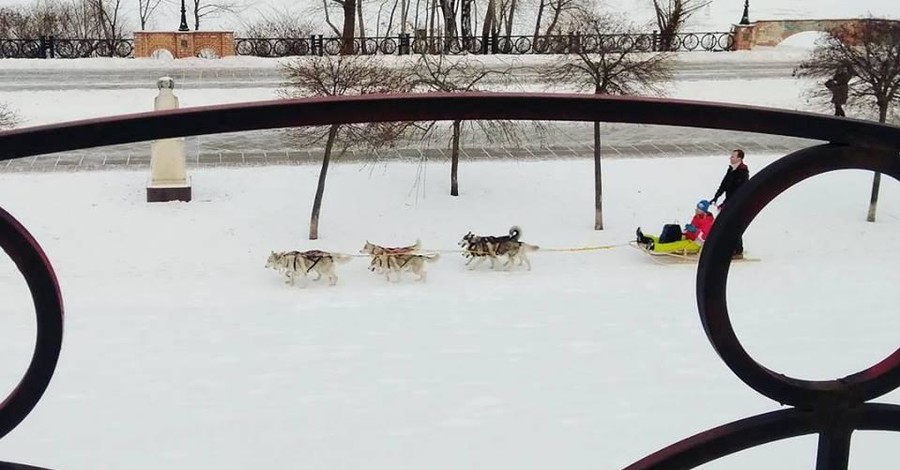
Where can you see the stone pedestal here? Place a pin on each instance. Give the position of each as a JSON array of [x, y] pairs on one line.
[[168, 175]]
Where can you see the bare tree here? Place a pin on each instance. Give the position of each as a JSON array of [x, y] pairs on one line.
[[145, 11], [278, 24], [201, 9], [671, 16], [8, 117], [871, 54], [337, 76], [48, 18], [460, 75], [613, 68], [106, 14], [559, 11], [326, 10]]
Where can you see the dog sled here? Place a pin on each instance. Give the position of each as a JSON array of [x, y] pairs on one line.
[[679, 256]]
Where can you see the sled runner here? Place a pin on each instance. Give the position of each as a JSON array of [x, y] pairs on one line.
[[683, 256]]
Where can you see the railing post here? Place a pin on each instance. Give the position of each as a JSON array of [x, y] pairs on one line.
[[654, 41], [403, 40]]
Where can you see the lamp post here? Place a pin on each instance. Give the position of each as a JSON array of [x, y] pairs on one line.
[[745, 19], [184, 26]]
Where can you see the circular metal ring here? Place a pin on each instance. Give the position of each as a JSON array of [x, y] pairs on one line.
[[25, 252], [715, 260]]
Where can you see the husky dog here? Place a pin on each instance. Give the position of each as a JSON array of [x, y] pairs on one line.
[[381, 255], [398, 259], [300, 263], [517, 251], [479, 247]]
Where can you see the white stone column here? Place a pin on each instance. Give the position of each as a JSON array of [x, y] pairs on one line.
[[168, 176]]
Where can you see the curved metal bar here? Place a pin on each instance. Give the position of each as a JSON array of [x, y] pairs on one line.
[[762, 429], [728, 439], [439, 106], [18, 466], [715, 260], [26, 253]]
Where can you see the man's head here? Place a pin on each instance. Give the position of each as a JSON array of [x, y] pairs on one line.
[[737, 157]]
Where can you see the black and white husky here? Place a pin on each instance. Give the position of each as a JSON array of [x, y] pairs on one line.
[[480, 247]]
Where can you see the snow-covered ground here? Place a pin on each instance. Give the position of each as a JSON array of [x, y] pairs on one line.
[[182, 351]]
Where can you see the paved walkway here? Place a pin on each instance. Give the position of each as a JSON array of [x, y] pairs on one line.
[[98, 161]]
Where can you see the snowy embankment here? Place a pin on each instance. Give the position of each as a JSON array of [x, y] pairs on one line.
[[182, 351]]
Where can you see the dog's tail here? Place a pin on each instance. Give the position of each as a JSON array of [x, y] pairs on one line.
[[417, 244], [515, 232]]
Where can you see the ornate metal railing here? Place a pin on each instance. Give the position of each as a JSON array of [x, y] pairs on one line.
[[832, 409], [557, 44], [52, 48]]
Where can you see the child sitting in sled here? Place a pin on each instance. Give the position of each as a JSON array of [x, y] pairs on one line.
[[674, 240]]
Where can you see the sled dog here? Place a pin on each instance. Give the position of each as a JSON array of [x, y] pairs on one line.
[[300, 263], [480, 247], [380, 254], [388, 260]]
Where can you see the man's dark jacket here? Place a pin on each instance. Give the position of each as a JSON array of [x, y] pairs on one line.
[[733, 179]]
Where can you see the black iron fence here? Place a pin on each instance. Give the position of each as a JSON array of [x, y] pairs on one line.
[[55, 48], [403, 44]]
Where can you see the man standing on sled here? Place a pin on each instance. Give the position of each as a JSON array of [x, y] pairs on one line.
[[735, 177]]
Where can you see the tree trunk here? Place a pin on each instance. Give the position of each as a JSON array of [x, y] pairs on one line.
[[509, 20], [447, 9], [431, 22], [876, 182], [466, 20], [598, 181], [488, 24], [349, 26], [537, 23], [320, 188], [362, 26], [404, 13], [454, 160]]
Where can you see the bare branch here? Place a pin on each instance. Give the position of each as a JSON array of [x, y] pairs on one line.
[[610, 66], [671, 16]]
